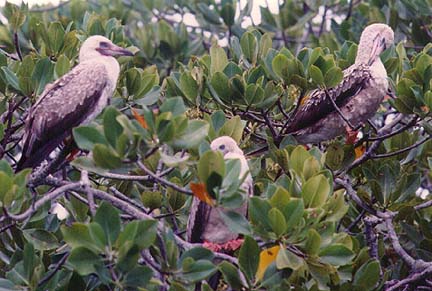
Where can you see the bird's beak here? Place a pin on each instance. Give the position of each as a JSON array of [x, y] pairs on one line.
[[114, 51], [377, 48]]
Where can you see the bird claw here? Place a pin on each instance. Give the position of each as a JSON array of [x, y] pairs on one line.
[[231, 245]]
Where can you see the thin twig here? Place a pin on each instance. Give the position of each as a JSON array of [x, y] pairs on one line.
[[395, 153], [17, 46], [54, 270], [163, 181]]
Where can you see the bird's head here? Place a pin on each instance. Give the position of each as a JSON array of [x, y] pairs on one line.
[[374, 39], [225, 144], [97, 45]]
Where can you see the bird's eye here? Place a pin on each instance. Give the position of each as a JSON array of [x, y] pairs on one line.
[[222, 147], [104, 44]]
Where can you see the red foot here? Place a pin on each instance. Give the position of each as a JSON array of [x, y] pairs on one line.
[[231, 245], [351, 135]]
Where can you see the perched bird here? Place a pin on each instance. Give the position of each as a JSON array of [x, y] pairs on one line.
[[205, 225], [74, 99], [325, 114]]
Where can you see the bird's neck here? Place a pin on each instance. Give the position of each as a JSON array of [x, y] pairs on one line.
[[111, 65], [363, 55]]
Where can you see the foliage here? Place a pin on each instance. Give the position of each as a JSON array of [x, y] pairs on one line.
[[327, 217]]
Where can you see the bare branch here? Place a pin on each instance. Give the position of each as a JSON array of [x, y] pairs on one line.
[[163, 181], [46, 198]]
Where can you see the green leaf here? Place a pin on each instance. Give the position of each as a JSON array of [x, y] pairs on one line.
[[254, 94], [142, 233], [249, 45], [249, 257], [43, 74], [198, 270], [367, 275], [41, 239], [336, 254], [56, 34], [293, 212], [86, 137], [17, 17], [316, 75], [227, 13], [6, 184], [10, 78], [173, 105], [211, 161], [62, 66], [287, 259], [333, 77], [297, 159], [6, 285], [194, 134], [189, 86], [220, 84], [231, 275], [78, 235], [315, 191], [235, 221], [258, 209], [280, 66], [112, 128], [277, 221], [280, 198], [209, 14], [218, 59], [84, 261], [138, 277], [105, 157], [109, 218], [29, 261], [313, 242], [198, 253], [233, 128]]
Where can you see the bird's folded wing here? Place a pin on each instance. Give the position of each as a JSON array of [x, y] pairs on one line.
[[318, 104], [64, 104], [198, 217]]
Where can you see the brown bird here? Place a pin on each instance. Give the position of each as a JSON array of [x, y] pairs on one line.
[[326, 114], [74, 99]]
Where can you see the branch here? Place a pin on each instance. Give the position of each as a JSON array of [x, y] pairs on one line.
[[54, 270], [353, 195], [414, 277], [163, 181], [371, 236], [51, 8], [395, 153], [46, 198], [410, 261]]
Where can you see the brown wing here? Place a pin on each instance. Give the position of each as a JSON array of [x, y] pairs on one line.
[[318, 103], [63, 105], [198, 217]]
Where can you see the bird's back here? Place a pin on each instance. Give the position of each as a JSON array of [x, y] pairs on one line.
[[66, 103]]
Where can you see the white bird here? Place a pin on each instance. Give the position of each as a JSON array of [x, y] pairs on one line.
[[76, 98], [325, 114], [205, 225]]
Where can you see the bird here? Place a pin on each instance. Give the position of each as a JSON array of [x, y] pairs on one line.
[[74, 99], [327, 113], [205, 225]]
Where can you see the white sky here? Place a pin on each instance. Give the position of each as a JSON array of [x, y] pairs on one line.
[[255, 10]]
